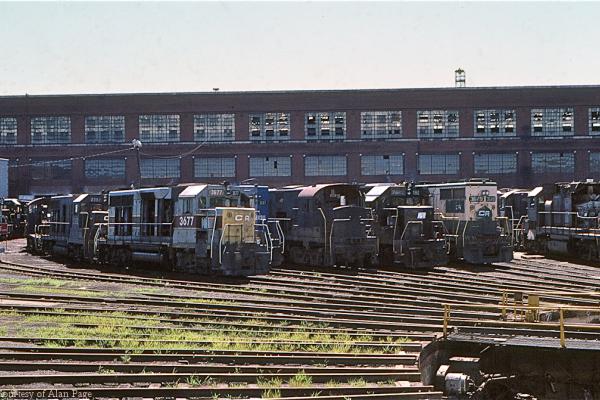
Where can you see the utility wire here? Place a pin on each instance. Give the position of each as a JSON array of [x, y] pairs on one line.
[[71, 158], [182, 155]]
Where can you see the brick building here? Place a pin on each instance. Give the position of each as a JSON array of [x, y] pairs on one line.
[[519, 136]]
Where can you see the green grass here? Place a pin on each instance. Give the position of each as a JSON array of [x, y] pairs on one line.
[[300, 380], [158, 333], [266, 382], [37, 282], [55, 290], [195, 300], [271, 394], [357, 382], [104, 370], [118, 331]]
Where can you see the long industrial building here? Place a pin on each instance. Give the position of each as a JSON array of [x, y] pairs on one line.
[[518, 136]]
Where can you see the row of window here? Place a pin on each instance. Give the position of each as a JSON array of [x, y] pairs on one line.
[[225, 167], [161, 128]]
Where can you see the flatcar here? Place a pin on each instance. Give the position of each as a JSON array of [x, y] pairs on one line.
[[325, 225], [405, 227], [473, 231], [567, 223]]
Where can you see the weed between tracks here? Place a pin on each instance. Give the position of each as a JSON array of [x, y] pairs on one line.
[[114, 330], [36, 282]]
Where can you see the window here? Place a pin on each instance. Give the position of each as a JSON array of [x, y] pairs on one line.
[[50, 130], [381, 124], [443, 164], [382, 165], [552, 122], [325, 125], [50, 170], [594, 163], [270, 166], [495, 163], [269, 126], [105, 129], [105, 168], [8, 131], [159, 128], [552, 163], [594, 121], [452, 193], [214, 167], [325, 166], [437, 124], [214, 127], [160, 168], [495, 123]]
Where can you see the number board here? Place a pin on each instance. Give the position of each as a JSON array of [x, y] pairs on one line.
[[185, 221]]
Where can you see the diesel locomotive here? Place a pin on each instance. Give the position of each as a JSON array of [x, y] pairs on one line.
[[13, 216], [565, 222], [192, 228], [405, 226], [473, 231], [325, 225]]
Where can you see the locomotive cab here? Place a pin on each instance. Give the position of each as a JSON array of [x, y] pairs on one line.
[[325, 225], [214, 233], [405, 226], [37, 223], [469, 212], [418, 238]]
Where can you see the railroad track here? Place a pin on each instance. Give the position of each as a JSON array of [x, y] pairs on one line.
[[334, 333]]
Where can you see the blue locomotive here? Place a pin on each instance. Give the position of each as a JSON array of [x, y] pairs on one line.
[[200, 228]]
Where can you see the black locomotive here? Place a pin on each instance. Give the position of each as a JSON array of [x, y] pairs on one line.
[[565, 222], [325, 225], [405, 226]]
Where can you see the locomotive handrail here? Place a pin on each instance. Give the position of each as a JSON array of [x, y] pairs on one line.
[[581, 230], [279, 231], [324, 230], [404, 232], [141, 224], [568, 212], [269, 241]]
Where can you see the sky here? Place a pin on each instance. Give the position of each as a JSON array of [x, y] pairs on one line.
[[118, 47]]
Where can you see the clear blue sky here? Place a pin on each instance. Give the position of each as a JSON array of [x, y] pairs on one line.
[[158, 47]]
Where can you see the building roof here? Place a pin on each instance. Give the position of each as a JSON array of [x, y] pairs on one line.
[[310, 91]]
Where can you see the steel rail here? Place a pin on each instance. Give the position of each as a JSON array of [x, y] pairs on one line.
[[270, 359]]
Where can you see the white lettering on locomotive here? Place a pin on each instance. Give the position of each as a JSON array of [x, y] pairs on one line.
[[239, 218], [186, 220]]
